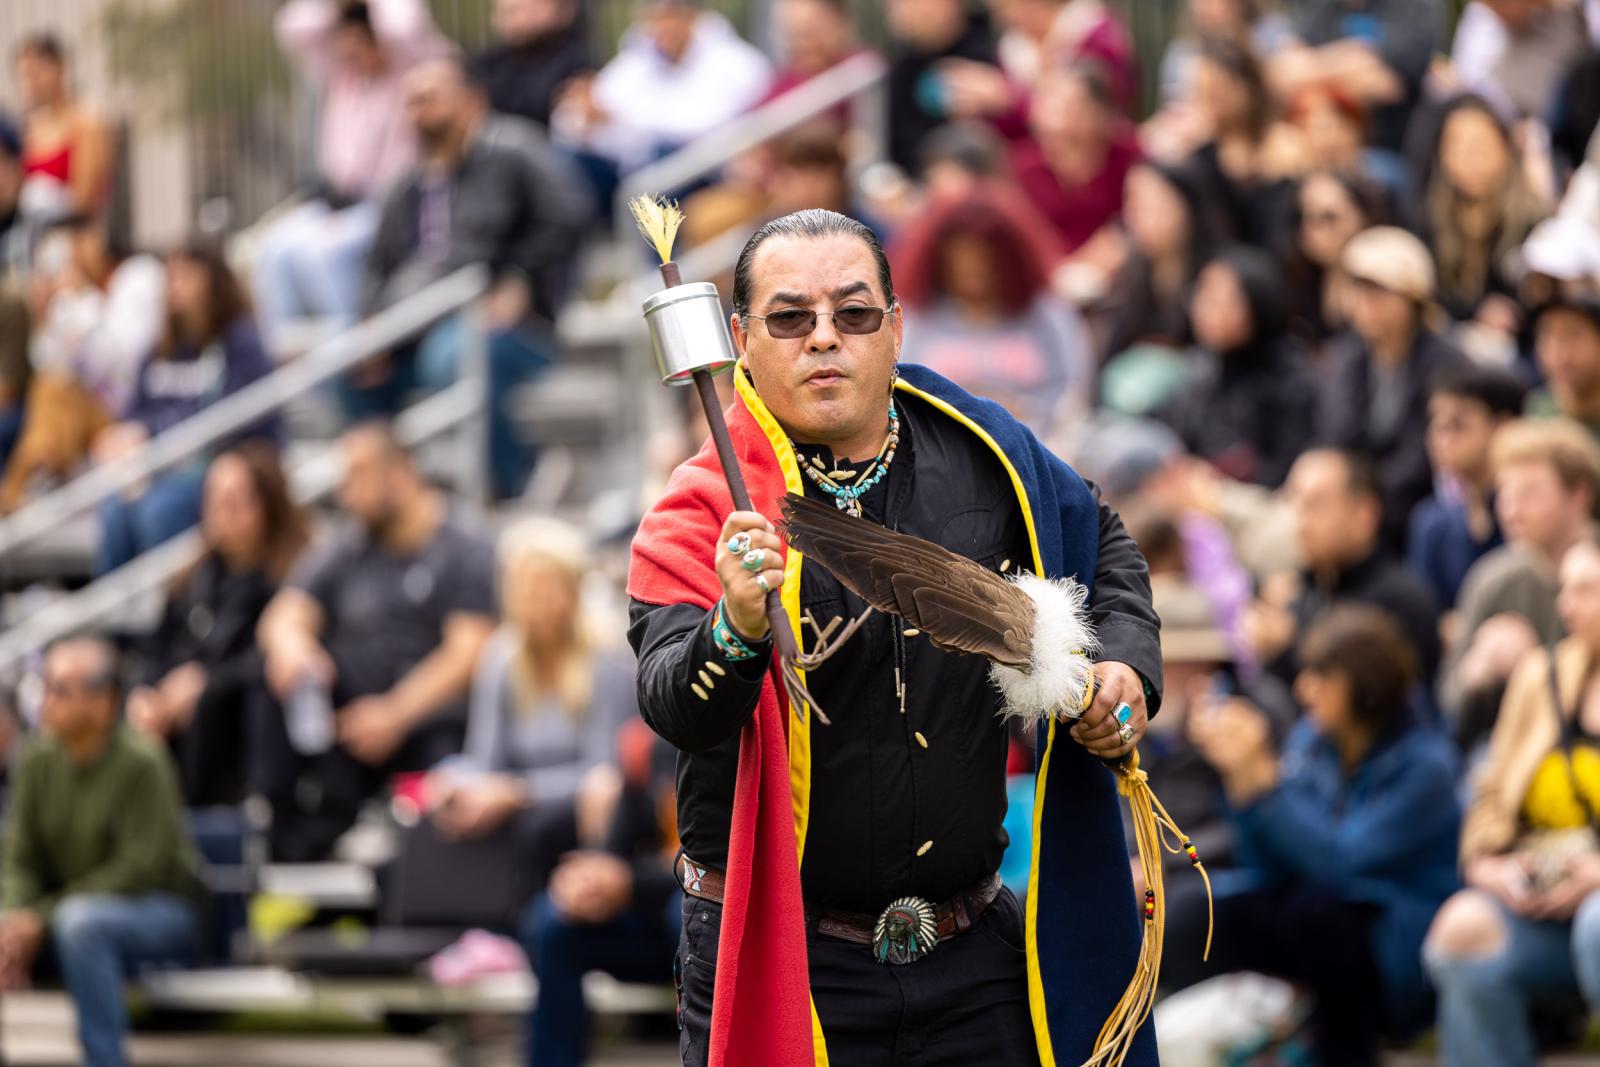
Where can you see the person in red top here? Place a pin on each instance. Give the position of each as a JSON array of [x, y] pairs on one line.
[[1074, 166], [66, 147]]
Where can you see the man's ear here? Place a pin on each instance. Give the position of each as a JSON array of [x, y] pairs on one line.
[[740, 334]]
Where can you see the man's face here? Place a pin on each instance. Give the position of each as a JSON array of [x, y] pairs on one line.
[[1459, 432], [1378, 315], [670, 26], [368, 489], [520, 21], [1567, 345], [1534, 507], [437, 102], [1334, 525], [827, 387], [80, 696]]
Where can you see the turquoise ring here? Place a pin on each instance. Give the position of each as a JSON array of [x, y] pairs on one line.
[[754, 560], [739, 543], [1124, 713]]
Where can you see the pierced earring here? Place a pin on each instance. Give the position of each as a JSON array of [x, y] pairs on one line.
[[894, 376]]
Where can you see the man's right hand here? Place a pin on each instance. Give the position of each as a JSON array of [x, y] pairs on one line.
[[745, 601], [21, 934], [291, 661]]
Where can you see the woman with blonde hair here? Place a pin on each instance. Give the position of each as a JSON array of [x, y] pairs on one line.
[[547, 699]]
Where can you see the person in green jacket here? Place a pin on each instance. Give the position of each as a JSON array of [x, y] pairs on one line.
[[97, 856]]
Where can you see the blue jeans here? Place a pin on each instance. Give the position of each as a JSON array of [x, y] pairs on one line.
[[515, 358], [310, 262], [634, 947], [99, 939], [130, 528], [1483, 1001]]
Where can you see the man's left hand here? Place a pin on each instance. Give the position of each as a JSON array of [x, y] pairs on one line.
[[1116, 684], [371, 729], [591, 887]]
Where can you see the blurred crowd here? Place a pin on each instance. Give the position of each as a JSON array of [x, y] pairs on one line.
[[1313, 295]]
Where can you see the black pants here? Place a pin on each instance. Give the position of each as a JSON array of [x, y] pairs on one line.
[[964, 1003], [1302, 935], [315, 800], [209, 752]]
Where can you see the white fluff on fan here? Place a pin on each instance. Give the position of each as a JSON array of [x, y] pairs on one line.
[[1063, 641]]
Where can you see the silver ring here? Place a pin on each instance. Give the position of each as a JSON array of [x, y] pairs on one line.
[[762, 583], [754, 560], [1126, 733], [739, 543]]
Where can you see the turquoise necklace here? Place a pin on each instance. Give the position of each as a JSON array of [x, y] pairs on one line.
[[847, 498]]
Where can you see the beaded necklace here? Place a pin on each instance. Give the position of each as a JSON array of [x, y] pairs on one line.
[[847, 498]]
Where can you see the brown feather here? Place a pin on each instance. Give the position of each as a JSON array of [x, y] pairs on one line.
[[961, 605]]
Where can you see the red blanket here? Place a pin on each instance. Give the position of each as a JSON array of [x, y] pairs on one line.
[[761, 1009]]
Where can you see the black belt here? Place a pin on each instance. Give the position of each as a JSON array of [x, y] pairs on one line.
[[908, 928]]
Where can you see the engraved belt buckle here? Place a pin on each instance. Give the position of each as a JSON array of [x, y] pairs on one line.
[[905, 931]]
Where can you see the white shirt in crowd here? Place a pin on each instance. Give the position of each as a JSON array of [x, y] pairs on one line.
[[653, 105]]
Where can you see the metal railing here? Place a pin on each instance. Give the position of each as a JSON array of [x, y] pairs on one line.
[[262, 398], [311, 480]]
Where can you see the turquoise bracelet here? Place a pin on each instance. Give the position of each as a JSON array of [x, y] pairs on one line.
[[728, 643]]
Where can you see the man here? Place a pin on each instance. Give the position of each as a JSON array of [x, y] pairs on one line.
[[97, 858], [489, 190], [1547, 483], [1338, 513], [680, 73], [1567, 339], [1375, 399], [538, 50], [1455, 527], [355, 54], [386, 626], [900, 800]]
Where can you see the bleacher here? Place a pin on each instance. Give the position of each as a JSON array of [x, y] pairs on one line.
[[590, 416]]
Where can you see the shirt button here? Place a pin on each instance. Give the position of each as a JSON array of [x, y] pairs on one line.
[[923, 741], [926, 845]]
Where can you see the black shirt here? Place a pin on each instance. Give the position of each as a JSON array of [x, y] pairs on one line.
[[523, 79], [386, 613], [877, 794]]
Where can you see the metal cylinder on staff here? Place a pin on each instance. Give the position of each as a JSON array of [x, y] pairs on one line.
[[689, 332]]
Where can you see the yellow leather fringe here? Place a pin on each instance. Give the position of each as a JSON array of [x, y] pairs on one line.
[[1154, 831]]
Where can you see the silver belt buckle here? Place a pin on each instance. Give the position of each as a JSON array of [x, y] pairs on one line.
[[905, 931]]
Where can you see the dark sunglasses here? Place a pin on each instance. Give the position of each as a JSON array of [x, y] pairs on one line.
[[800, 322]]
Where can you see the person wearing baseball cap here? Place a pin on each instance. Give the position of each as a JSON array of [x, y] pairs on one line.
[[1376, 397]]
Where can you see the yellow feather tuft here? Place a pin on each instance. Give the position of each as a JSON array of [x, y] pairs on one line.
[[658, 219]]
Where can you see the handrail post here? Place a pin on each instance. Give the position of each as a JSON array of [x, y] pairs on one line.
[[474, 448]]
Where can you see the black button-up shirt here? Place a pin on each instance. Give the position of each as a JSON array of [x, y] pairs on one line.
[[880, 794]]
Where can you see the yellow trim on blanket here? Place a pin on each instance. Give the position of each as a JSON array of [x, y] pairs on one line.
[[1036, 1004], [799, 728]]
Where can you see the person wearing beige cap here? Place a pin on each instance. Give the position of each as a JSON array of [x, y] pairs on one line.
[[1375, 399]]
